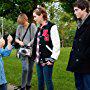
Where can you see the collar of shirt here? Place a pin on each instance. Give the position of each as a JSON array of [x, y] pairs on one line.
[[80, 22]]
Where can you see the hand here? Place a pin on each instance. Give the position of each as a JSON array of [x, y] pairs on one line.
[[9, 38], [49, 63], [21, 43], [28, 44], [43, 64], [50, 59], [2, 42]]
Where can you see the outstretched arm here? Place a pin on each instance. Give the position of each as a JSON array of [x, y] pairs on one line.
[[7, 50]]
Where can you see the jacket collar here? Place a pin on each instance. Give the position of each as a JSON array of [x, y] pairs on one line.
[[85, 20]]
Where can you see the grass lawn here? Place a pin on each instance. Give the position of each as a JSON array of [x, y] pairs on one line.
[[62, 79]]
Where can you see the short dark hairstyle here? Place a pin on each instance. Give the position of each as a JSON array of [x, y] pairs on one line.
[[82, 4], [40, 10]]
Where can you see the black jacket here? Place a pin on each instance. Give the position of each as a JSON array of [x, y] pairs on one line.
[[79, 60], [43, 51]]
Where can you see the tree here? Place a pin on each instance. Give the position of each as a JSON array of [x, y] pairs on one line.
[[12, 8], [64, 21], [9, 26]]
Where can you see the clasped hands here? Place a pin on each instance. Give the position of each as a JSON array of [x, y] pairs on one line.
[[49, 61]]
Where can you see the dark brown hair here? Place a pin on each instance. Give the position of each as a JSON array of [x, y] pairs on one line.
[[41, 10], [82, 4]]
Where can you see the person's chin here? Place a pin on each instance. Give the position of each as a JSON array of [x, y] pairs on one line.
[[37, 22], [78, 17]]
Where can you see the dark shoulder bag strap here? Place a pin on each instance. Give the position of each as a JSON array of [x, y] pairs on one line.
[[30, 31], [26, 32]]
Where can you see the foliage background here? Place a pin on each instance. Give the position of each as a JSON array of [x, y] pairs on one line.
[[59, 12]]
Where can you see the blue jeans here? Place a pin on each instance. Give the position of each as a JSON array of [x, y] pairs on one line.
[[44, 75], [27, 70], [3, 87], [82, 81]]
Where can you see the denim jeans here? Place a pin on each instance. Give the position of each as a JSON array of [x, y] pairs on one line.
[[82, 81], [27, 70], [3, 87], [44, 75]]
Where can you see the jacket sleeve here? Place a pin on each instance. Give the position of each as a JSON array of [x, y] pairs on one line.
[[5, 52], [55, 41]]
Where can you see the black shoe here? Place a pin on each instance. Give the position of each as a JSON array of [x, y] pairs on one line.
[[22, 88], [28, 87], [19, 88]]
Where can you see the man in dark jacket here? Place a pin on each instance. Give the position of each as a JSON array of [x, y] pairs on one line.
[[79, 61]]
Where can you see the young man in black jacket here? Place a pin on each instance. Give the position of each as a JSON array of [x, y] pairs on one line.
[[79, 61]]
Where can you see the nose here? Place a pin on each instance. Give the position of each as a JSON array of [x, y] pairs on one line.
[[75, 12], [34, 16]]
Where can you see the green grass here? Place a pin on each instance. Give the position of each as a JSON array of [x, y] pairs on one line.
[[62, 79]]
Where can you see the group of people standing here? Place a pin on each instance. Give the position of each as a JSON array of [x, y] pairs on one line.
[[45, 43]]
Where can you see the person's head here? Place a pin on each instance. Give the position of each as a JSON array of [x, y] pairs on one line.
[[81, 7], [2, 42], [40, 14], [22, 18]]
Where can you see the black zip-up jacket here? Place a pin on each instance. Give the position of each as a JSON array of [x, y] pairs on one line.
[[43, 51]]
